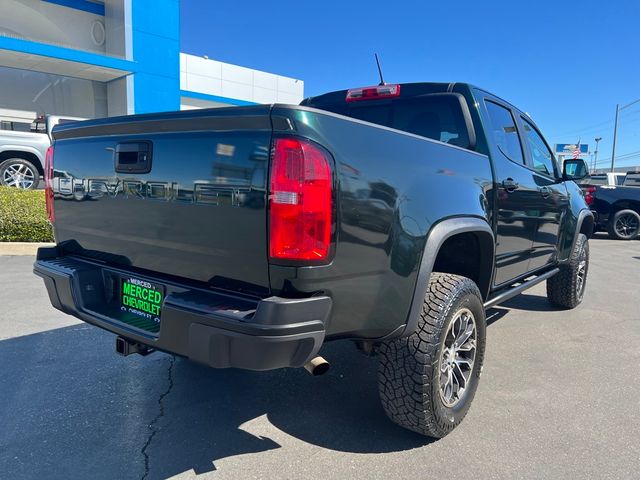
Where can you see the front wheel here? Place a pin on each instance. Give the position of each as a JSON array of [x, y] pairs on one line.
[[566, 288], [624, 225], [427, 380]]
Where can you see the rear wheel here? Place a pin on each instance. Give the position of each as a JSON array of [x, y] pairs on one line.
[[566, 288], [427, 380], [624, 225], [19, 173]]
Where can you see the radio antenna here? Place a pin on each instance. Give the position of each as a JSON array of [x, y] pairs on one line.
[[379, 70]]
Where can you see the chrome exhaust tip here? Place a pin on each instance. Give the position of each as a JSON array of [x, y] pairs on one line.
[[317, 366]]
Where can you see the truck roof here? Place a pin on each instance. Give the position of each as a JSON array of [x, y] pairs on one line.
[[408, 90]]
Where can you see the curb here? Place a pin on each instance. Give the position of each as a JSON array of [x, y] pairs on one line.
[[21, 248]]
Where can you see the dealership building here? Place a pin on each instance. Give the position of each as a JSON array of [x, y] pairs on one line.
[[90, 58]]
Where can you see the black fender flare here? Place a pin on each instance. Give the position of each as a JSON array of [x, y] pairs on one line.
[[436, 237], [582, 216]]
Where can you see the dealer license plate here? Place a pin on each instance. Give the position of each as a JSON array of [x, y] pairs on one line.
[[141, 303]]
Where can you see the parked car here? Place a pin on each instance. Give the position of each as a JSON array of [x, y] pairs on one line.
[[608, 178], [616, 209], [391, 215], [631, 179], [22, 153]]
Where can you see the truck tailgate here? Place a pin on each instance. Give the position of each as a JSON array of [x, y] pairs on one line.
[[179, 193]]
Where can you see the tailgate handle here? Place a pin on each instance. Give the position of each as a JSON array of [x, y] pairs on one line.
[[133, 157], [510, 185]]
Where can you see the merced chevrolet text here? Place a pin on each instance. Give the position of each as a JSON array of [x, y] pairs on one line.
[[247, 237]]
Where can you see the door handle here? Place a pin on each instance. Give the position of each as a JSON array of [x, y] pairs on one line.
[[510, 184], [544, 191]]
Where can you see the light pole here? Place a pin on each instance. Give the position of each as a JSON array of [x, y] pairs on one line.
[[615, 131], [615, 136], [595, 160]]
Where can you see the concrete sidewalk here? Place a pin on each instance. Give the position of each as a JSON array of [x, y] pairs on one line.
[[21, 248]]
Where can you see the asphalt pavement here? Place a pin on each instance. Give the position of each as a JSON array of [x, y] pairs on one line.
[[559, 398]]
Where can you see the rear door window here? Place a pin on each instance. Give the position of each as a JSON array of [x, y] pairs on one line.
[[504, 131], [541, 157], [596, 180]]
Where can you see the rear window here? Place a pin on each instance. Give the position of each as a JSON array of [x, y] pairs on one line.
[[438, 117], [632, 180], [14, 126], [597, 180]]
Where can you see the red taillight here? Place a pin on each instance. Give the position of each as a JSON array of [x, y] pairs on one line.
[[48, 184], [588, 195], [300, 201], [373, 93]]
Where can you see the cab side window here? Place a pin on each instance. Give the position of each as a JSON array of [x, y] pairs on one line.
[[505, 133], [541, 156]]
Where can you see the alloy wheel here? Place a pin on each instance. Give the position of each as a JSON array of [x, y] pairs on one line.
[[18, 175], [627, 226], [581, 275], [458, 357]]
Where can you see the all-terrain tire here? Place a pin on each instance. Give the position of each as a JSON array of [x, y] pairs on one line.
[[410, 368], [624, 225], [566, 288]]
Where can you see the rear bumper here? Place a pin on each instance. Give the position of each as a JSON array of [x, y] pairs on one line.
[[211, 327]]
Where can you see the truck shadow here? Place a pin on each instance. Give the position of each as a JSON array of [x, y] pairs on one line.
[[524, 301], [529, 302], [71, 408], [233, 412]]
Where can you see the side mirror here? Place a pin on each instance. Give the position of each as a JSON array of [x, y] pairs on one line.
[[575, 169]]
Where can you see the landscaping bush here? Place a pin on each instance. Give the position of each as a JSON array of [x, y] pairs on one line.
[[23, 216]]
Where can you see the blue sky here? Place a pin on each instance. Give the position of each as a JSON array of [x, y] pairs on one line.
[[567, 63]]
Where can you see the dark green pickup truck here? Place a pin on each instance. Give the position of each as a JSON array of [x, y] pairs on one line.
[[247, 237]]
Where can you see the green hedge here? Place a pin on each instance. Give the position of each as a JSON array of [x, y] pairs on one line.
[[23, 216]]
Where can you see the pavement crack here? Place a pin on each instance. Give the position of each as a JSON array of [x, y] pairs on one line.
[[152, 426]]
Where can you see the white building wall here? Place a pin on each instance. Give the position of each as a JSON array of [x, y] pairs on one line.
[[115, 28], [211, 77], [117, 98], [53, 24]]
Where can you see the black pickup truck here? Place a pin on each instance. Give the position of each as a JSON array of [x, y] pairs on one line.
[[247, 237], [616, 209]]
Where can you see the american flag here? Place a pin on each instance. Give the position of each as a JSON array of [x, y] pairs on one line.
[[576, 151]]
